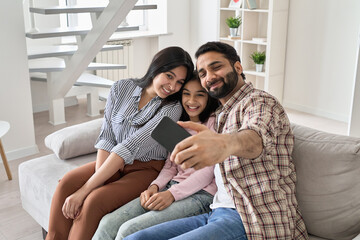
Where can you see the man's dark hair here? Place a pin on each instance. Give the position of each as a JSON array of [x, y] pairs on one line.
[[228, 51]]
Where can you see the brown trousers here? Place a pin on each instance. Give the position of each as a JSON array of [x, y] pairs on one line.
[[118, 190]]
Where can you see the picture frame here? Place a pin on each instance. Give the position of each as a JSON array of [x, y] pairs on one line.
[[235, 3], [251, 4]]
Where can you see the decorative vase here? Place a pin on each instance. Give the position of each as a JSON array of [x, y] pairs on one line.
[[233, 32], [259, 67]]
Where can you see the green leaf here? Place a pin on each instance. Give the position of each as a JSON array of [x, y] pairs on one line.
[[258, 57], [233, 22]]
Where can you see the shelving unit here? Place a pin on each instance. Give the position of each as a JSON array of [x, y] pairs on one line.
[[267, 21]]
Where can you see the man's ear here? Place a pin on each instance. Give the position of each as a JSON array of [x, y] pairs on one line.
[[238, 67]]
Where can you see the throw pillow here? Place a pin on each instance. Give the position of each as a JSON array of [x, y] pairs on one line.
[[75, 140]]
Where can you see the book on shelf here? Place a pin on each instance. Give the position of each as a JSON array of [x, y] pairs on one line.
[[235, 3], [251, 4], [234, 37], [259, 39]]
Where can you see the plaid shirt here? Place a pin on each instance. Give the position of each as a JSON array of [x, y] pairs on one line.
[[263, 188]]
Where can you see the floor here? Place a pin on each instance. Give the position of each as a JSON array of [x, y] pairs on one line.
[[16, 224]]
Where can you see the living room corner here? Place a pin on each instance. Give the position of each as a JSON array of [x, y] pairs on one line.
[[320, 90]]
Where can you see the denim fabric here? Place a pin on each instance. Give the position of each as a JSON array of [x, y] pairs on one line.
[[221, 223], [132, 217]]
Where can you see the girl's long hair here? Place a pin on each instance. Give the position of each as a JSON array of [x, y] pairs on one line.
[[211, 105]]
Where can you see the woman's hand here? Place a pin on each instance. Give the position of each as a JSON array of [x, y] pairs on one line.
[[159, 201], [72, 205]]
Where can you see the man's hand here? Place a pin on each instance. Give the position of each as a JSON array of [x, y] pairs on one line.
[[159, 201], [203, 149]]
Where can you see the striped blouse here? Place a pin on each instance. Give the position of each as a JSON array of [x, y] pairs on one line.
[[126, 130]]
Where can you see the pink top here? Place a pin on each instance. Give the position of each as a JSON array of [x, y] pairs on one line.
[[190, 181]]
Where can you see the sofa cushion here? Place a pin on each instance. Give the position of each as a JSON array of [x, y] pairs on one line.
[[75, 140], [328, 182]]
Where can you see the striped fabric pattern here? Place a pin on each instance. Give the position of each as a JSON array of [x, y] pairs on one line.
[[263, 188], [126, 130]]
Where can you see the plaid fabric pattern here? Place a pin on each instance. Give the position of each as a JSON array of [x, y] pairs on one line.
[[263, 188]]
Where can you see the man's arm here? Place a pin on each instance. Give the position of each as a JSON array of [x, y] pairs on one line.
[[208, 148]]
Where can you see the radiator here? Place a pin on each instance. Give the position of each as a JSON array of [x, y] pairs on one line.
[[122, 56]]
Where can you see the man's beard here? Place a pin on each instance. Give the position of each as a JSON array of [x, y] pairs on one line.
[[228, 85]]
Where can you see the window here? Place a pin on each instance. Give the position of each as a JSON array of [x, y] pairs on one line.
[[134, 18]]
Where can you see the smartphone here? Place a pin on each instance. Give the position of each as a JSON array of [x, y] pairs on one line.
[[168, 133]]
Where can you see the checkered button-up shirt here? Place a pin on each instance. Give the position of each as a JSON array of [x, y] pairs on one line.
[[263, 188]]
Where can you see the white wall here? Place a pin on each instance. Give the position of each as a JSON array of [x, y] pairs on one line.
[[354, 123], [178, 24], [15, 98], [144, 50], [321, 56], [189, 23], [204, 22]]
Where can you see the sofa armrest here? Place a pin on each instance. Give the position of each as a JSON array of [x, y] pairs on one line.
[[328, 182], [357, 237]]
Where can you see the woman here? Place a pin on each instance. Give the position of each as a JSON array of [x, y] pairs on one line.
[[184, 193], [128, 159]]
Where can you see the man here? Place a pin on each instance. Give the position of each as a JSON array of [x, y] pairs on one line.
[[252, 150]]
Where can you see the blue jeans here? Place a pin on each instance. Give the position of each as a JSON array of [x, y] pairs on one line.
[[221, 223], [132, 217]]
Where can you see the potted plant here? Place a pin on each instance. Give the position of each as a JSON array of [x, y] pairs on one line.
[[233, 24], [259, 60]]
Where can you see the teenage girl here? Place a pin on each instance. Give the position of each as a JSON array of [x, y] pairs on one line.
[[183, 193], [128, 159]]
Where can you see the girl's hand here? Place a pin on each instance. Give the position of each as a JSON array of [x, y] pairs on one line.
[[72, 205], [145, 195], [159, 201]]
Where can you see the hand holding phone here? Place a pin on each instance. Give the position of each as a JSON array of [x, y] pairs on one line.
[[168, 133]]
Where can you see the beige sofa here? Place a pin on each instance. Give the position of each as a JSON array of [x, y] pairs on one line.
[[328, 172]]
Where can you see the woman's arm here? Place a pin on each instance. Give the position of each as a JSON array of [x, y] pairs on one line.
[[106, 140], [101, 156], [140, 142], [74, 202]]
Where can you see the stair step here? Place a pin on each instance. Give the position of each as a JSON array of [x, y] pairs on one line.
[[47, 65], [61, 50], [82, 9], [104, 93], [39, 77], [86, 79], [70, 31]]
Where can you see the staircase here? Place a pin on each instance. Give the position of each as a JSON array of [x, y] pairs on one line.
[[67, 69]]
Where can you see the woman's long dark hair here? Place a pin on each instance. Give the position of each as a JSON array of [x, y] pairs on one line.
[[211, 105], [165, 60]]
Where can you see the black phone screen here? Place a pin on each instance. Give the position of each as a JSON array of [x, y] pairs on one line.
[[168, 133]]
